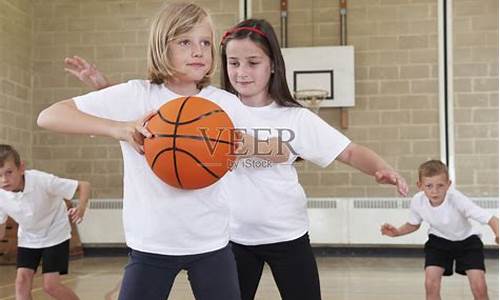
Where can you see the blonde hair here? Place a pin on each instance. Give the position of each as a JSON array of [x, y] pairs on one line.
[[173, 20], [432, 168]]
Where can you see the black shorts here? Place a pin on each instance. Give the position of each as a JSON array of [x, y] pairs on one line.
[[54, 258], [467, 254]]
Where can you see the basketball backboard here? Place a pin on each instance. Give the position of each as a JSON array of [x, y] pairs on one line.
[[322, 68]]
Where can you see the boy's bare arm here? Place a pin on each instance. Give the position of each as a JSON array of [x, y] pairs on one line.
[[76, 213], [494, 226], [390, 230], [2, 230], [83, 193]]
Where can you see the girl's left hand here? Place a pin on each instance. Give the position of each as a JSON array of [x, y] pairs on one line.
[[392, 177]]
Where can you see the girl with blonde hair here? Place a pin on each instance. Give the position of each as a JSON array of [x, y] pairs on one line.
[[167, 229]]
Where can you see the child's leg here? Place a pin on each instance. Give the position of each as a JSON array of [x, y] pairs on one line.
[[294, 269], [477, 283], [27, 262], [250, 266], [213, 275], [24, 281], [439, 259], [55, 263], [433, 276], [470, 262], [149, 276], [52, 285]]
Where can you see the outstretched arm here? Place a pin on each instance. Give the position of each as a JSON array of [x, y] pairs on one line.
[[76, 213], [86, 73], [368, 162], [65, 117], [390, 230], [494, 226]]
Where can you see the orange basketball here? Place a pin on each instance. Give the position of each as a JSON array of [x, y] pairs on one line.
[[192, 143]]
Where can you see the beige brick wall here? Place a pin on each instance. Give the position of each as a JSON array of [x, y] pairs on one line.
[[15, 75], [113, 35], [396, 111], [476, 95]]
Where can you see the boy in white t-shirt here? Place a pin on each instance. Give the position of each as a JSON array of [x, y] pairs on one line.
[[35, 200], [451, 236]]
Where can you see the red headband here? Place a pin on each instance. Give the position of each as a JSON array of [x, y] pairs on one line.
[[253, 29]]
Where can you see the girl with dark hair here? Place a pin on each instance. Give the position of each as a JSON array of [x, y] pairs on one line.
[[269, 222], [257, 31], [253, 68]]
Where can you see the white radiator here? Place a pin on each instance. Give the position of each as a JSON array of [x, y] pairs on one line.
[[333, 221], [357, 221], [102, 224]]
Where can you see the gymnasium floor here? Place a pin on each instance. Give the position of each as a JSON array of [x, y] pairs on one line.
[[342, 278]]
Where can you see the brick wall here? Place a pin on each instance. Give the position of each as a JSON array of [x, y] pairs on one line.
[[476, 96], [15, 75], [113, 35], [396, 111]]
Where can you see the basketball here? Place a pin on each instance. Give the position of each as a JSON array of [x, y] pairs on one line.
[[192, 143]]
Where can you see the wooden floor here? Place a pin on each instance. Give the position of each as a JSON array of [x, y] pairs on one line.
[[352, 278]]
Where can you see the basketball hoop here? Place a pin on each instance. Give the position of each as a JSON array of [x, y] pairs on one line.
[[311, 98]]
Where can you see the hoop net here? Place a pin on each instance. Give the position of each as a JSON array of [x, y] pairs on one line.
[[311, 98]]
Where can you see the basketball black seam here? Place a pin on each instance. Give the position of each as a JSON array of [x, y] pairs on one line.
[[175, 138], [188, 153], [192, 120], [158, 155], [192, 137]]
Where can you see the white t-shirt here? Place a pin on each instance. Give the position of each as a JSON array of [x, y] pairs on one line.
[[450, 220], [39, 209], [268, 204], [158, 218]]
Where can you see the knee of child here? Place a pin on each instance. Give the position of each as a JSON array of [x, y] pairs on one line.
[[431, 285], [479, 289], [50, 286], [23, 281]]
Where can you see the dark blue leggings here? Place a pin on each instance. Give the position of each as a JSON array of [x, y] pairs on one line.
[[292, 264], [212, 275]]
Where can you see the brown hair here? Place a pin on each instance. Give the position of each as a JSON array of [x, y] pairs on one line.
[[8, 152], [262, 34], [173, 20], [432, 168]]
